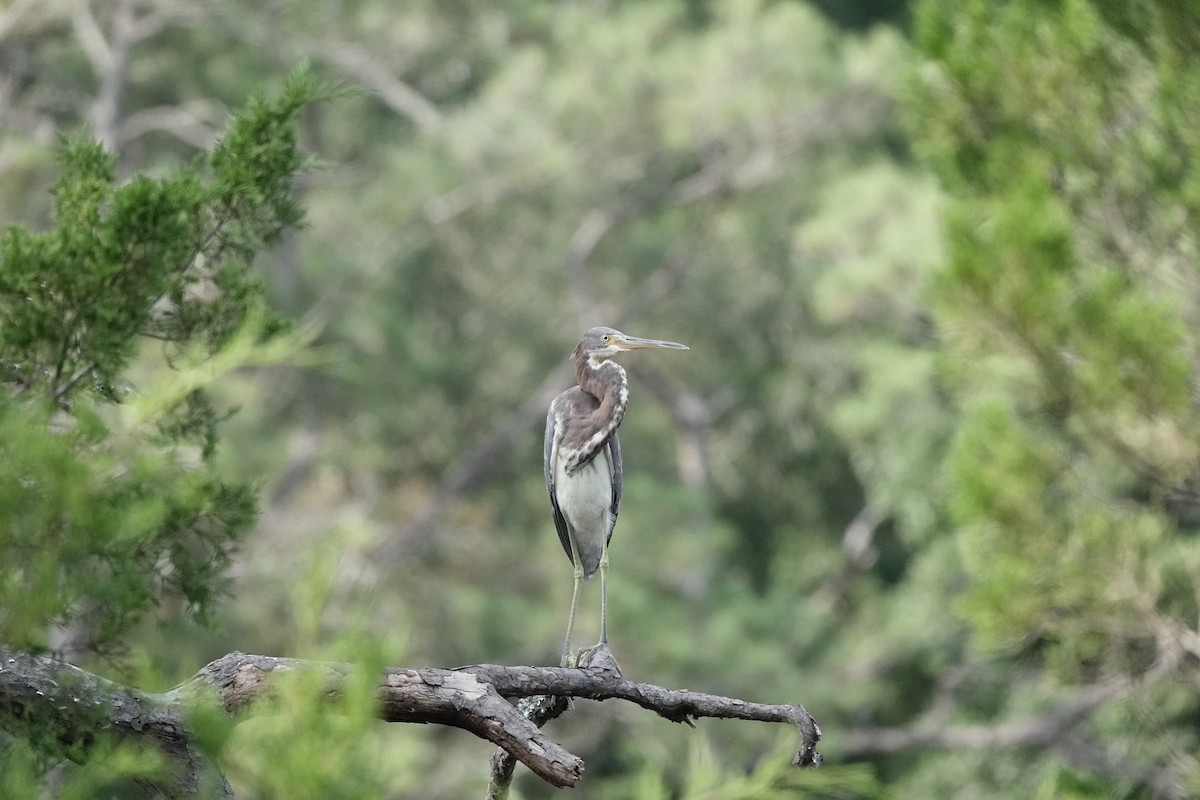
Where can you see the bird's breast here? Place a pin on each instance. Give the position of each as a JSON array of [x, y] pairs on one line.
[[585, 498], [585, 495]]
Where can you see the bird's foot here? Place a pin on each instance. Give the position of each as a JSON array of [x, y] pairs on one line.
[[599, 658], [571, 657]]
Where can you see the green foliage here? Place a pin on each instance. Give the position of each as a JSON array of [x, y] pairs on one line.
[[931, 461], [1071, 465], [111, 499], [1065, 135], [112, 771], [742, 181], [772, 777], [341, 753]]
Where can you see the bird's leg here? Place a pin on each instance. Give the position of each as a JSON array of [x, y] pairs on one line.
[[569, 660], [604, 592], [600, 657]]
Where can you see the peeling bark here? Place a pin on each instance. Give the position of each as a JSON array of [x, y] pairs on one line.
[[475, 698]]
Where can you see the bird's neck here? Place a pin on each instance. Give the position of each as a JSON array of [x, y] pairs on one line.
[[606, 381]]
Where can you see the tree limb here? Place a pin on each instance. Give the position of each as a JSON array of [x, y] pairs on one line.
[[192, 122], [1059, 729], [398, 95], [110, 62], [76, 707], [1036, 731], [539, 711], [474, 698]]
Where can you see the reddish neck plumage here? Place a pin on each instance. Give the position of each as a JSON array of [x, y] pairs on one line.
[[605, 381]]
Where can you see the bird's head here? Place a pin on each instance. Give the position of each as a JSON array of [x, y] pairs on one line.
[[607, 342]]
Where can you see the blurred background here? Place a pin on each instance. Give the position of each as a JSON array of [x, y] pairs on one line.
[[928, 468]]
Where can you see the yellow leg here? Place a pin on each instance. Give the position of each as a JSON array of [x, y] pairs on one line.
[[604, 592], [567, 659]]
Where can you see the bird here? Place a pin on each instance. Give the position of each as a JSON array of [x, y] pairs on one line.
[[582, 458]]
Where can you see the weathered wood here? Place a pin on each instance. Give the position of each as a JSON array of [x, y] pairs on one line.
[[80, 706], [475, 698]]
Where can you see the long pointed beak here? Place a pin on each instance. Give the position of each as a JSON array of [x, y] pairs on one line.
[[638, 343]]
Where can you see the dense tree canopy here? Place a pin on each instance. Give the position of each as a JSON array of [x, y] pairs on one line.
[[930, 467]]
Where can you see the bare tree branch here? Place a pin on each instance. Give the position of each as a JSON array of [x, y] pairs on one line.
[[90, 38], [1037, 731], [539, 711], [110, 60], [351, 59], [396, 94], [193, 122], [474, 698], [1060, 729], [76, 706]]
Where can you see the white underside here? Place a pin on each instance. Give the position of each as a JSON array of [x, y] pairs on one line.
[[585, 500]]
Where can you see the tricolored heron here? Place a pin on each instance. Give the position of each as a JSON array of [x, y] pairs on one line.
[[583, 460]]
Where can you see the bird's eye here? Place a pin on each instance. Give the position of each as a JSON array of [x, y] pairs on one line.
[[605, 338]]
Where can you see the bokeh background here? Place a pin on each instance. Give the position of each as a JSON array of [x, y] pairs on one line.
[[929, 467]]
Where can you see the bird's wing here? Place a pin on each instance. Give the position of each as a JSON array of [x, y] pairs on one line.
[[618, 479], [549, 457]]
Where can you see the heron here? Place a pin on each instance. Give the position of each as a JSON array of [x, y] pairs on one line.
[[583, 460]]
